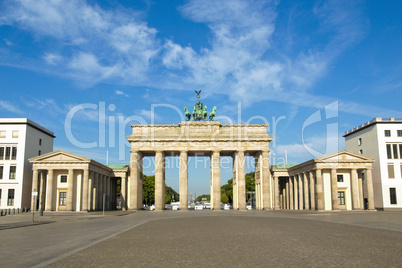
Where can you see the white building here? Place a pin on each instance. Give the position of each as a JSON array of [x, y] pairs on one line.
[[20, 139], [381, 139]]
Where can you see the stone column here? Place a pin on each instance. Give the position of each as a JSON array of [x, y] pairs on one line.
[[49, 191], [306, 194], [287, 194], [216, 180], [370, 193], [183, 180], [291, 195], [90, 190], [320, 190], [34, 189], [361, 197], [135, 177], [241, 180], [334, 189], [95, 191], [159, 193], [276, 193], [312, 190], [100, 191], [123, 194], [70, 189], [297, 193], [301, 201], [265, 176], [85, 190], [108, 193], [354, 183], [41, 190]]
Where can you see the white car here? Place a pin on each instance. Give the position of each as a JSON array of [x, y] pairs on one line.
[[152, 207], [199, 207], [249, 207]]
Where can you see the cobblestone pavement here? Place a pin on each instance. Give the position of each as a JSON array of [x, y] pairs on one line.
[[206, 238]]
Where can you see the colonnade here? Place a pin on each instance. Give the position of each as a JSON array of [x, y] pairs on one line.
[[84, 191], [239, 182], [305, 190]]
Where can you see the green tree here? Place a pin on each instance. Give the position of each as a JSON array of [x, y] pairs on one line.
[[148, 184], [199, 198], [224, 198], [169, 193], [228, 188]]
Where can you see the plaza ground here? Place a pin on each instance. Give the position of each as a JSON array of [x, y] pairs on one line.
[[203, 238]]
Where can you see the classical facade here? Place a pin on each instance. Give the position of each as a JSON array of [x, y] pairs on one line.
[[20, 139], [381, 139], [68, 182], [200, 138], [337, 181]]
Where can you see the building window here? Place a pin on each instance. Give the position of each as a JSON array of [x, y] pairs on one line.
[[15, 133], [2, 134], [341, 198], [63, 178], [399, 132], [14, 153], [1, 172], [40, 152], [340, 178], [1, 153], [13, 170], [395, 149], [10, 200], [8, 152], [359, 141], [391, 173], [40, 141], [387, 133], [63, 198], [360, 151], [0, 196], [392, 196], [389, 152]]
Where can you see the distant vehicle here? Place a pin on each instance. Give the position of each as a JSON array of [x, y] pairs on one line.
[[175, 205], [152, 207], [226, 206], [207, 205], [191, 206], [199, 207], [249, 207]]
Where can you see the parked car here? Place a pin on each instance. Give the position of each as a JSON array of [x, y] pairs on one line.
[[199, 207], [249, 207]]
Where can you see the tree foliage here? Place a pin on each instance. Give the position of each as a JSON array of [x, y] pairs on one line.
[[227, 189], [199, 198], [148, 185]]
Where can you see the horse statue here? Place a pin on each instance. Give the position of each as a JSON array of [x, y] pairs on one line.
[[187, 114], [205, 113], [212, 114]]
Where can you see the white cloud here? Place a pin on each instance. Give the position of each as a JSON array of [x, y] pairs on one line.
[[119, 92], [5, 105], [149, 115]]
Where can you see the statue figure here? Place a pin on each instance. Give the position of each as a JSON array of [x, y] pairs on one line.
[[198, 93], [187, 114], [205, 112], [212, 114]]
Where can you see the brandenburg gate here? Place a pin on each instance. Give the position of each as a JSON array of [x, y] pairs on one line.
[[200, 138]]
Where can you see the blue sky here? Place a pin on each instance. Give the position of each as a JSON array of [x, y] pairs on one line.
[[312, 69]]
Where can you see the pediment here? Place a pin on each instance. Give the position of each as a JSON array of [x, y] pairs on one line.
[[59, 156], [344, 156]]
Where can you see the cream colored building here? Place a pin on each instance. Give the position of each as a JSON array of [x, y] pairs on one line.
[[330, 182], [69, 182]]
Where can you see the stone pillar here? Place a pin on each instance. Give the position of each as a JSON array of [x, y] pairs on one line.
[[297, 193], [216, 181], [320, 190], [354, 183], [306, 192], [49, 191], [41, 190], [95, 191], [123, 193], [100, 191], [334, 189], [34, 189], [291, 195], [108, 193], [241, 180], [90, 190], [361, 197], [301, 201], [70, 189], [312, 190], [183, 180], [85, 190], [370, 193], [265, 176], [276, 193], [159, 182], [135, 180]]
